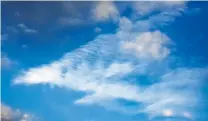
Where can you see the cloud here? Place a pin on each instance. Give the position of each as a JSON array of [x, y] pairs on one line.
[[179, 86], [147, 7], [9, 114], [152, 14], [26, 29], [98, 30], [102, 84], [104, 69], [138, 40], [102, 72], [105, 11], [73, 11], [148, 44]]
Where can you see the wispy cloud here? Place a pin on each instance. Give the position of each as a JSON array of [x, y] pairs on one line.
[[110, 11], [166, 12], [147, 7], [26, 29]]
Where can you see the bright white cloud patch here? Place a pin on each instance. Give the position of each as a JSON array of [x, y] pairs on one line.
[[105, 10], [148, 44]]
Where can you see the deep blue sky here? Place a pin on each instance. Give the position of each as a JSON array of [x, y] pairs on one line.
[[162, 61]]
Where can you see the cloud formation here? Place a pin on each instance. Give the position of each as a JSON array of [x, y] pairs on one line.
[[9, 114], [101, 70], [148, 44], [104, 68], [147, 7]]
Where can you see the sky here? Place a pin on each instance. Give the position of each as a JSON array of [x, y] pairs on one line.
[[104, 61]]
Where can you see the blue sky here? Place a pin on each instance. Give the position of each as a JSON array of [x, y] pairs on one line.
[[104, 61]]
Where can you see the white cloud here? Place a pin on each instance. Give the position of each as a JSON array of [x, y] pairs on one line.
[[10, 114], [26, 29], [148, 44], [105, 10], [103, 84], [141, 37], [175, 91], [166, 12], [98, 29]]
